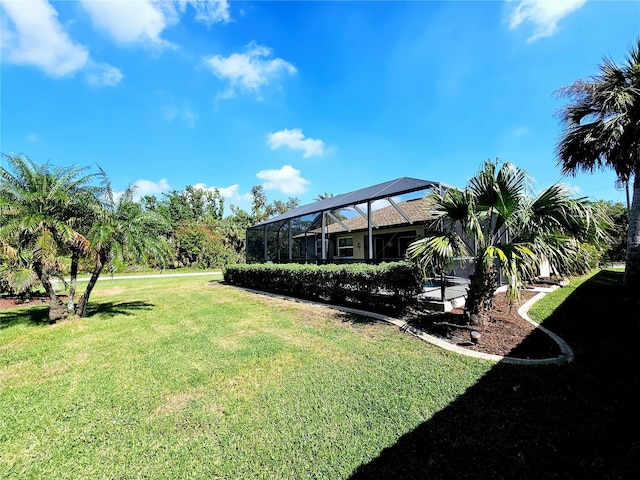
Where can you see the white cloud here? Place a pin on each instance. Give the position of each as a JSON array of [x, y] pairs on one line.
[[286, 180], [248, 71], [294, 139], [544, 14], [209, 11], [103, 74], [130, 22], [32, 35], [231, 193], [35, 37], [143, 187], [147, 187], [572, 189], [143, 21]]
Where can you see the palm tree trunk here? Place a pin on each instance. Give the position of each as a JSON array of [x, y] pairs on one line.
[[57, 310], [473, 303], [75, 258], [482, 288], [632, 264], [81, 307]]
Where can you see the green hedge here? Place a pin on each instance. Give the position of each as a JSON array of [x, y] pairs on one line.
[[385, 287]]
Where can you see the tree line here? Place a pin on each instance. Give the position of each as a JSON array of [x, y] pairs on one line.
[[198, 231], [59, 222]]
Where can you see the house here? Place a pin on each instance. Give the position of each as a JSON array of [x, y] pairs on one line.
[[395, 227], [373, 224]]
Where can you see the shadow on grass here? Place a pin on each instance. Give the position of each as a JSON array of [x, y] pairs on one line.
[[111, 309], [355, 319], [579, 420], [39, 315], [36, 315]]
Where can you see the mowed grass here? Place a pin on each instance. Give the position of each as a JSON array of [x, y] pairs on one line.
[[174, 378], [574, 421], [546, 306]]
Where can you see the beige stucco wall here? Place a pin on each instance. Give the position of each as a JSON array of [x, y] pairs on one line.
[[359, 237]]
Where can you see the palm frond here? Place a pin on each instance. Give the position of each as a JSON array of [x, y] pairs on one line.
[[602, 119]]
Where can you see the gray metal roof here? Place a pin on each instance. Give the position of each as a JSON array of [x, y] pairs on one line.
[[398, 186]]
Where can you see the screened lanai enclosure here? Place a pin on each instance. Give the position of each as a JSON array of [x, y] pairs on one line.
[[373, 224]]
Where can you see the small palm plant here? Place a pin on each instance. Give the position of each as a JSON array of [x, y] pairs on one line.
[[502, 228]]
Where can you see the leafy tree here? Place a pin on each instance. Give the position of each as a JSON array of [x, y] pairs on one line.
[[41, 206], [498, 224], [200, 245], [197, 230], [189, 205], [261, 209], [601, 129], [194, 226]]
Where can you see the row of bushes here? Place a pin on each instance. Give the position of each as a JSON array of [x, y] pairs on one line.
[[384, 287]]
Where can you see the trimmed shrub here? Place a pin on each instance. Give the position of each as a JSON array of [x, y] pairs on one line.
[[384, 287]]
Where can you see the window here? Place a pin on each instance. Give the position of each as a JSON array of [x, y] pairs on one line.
[[345, 247], [404, 242], [319, 247]]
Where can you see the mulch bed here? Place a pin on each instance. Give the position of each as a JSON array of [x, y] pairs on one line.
[[504, 332], [13, 301]]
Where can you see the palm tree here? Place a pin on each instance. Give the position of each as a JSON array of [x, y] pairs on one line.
[[51, 212], [40, 206], [497, 224], [16, 274], [122, 228], [601, 129], [322, 196]]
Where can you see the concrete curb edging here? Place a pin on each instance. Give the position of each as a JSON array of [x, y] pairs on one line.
[[567, 352], [565, 357]]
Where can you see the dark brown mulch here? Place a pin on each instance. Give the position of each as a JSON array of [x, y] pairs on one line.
[[14, 301], [504, 332]]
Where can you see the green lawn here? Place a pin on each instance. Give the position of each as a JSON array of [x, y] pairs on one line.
[[545, 307], [171, 378]]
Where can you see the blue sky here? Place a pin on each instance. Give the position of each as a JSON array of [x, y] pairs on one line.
[[301, 97]]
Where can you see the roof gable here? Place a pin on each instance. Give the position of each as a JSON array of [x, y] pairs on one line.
[[388, 216]]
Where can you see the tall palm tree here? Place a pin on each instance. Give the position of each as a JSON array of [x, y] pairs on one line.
[[497, 224], [40, 205], [601, 129], [122, 228]]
